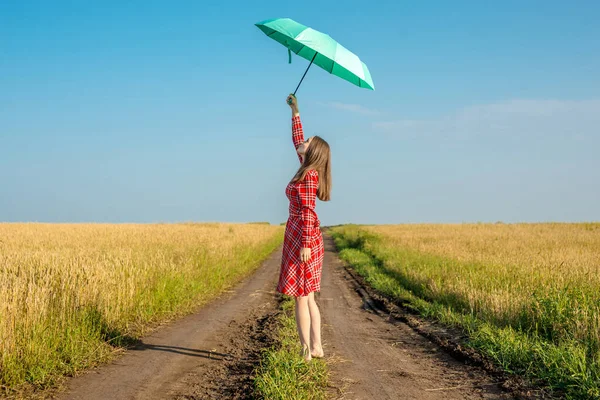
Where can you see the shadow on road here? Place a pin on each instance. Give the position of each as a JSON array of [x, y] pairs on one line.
[[211, 355]]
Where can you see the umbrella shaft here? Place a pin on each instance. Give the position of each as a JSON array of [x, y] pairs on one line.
[[311, 61]]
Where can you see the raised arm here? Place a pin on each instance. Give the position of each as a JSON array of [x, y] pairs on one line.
[[297, 132]]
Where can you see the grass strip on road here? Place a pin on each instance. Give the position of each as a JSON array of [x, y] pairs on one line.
[[283, 374]]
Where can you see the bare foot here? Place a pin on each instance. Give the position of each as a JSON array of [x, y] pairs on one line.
[[305, 354], [317, 353]]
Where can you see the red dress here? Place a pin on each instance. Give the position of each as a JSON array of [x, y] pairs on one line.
[[297, 278]]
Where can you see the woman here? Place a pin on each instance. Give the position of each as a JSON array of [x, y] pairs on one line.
[[302, 260]]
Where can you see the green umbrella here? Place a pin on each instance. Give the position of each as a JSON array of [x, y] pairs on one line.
[[319, 49]]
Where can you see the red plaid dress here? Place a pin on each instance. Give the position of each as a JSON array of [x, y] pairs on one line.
[[297, 278]]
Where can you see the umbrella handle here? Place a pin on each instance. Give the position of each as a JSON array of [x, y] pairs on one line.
[[297, 87]]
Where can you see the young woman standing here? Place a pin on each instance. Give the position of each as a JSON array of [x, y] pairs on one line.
[[303, 251]]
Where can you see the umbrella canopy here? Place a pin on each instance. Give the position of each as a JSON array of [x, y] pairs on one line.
[[318, 48]]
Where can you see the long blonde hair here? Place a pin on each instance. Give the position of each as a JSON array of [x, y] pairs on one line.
[[317, 157]]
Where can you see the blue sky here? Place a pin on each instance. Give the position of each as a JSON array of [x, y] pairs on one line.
[[147, 111]]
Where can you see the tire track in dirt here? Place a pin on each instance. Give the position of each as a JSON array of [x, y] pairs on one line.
[[189, 358], [372, 357]]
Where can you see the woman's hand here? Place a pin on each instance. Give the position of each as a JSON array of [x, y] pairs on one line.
[[305, 254], [292, 101]]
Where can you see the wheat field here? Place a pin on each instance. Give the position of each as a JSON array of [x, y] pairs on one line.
[[501, 269], [72, 294]]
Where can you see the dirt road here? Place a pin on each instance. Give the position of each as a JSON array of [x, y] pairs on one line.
[[211, 354], [375, 358]]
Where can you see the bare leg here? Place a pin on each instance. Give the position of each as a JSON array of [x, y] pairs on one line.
[[303, 325], [316, 348]]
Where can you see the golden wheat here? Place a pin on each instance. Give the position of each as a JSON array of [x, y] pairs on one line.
[[503, 271]]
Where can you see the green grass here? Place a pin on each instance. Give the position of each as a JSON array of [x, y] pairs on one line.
[[283, 374], [532, 347]]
